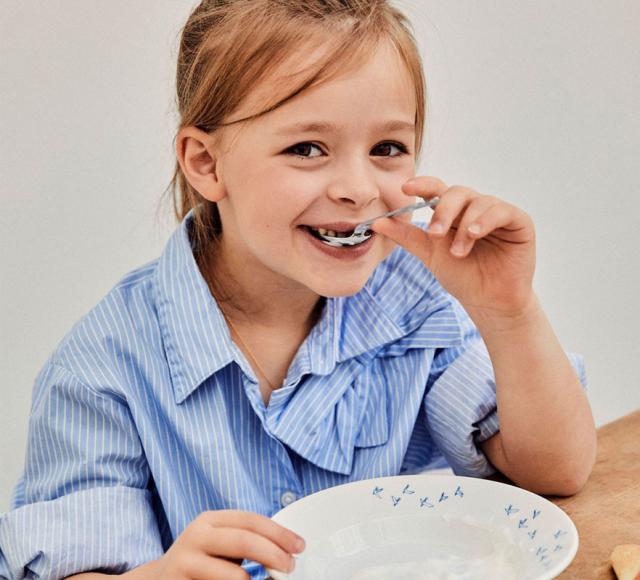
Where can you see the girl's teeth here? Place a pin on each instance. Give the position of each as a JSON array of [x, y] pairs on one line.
[[332, 233]]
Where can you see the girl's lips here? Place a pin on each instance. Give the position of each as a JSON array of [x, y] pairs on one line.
[[343, 253]]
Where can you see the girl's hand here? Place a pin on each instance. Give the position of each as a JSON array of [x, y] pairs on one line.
[[214, 544], [492, 275]]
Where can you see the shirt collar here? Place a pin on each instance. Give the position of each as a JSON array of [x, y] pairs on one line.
[[197, 340], [195, 334]]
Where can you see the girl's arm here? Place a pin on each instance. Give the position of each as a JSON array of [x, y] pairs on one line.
[[547, 440], [482, 250], [147, 571], [144, 572]]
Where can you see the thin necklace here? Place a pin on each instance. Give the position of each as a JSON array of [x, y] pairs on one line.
[[253, 356]]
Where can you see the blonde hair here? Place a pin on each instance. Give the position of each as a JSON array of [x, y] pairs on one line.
[[229, 47]]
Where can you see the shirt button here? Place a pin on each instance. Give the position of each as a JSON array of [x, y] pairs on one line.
[[287, 498]]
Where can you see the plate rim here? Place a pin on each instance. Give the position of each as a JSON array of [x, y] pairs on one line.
[[549, 574]]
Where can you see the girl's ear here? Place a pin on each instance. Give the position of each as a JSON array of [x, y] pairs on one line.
[[197, 156]]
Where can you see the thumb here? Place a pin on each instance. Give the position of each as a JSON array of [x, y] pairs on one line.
[[407, 235]]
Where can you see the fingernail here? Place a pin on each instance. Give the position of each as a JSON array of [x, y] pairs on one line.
[[474, 228], [458, 248], [292, 565], [299, 545], [435, 228]]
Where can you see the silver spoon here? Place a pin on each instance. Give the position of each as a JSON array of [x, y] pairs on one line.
[[362, 232]]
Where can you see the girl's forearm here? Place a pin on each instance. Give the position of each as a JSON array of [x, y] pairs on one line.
[[547, 439], [145, 572]]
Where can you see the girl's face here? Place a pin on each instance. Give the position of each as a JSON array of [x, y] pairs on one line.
[[330, 158]]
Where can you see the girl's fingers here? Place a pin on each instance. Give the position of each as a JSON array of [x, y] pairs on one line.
[[200, 567], [501, 216], [464, 237], [425, 186], [449, 211], [239, 543], [286, 539], [405, 234], [463, 211], [453, 201]]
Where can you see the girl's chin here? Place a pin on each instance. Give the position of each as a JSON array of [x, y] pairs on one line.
[[336, 288]]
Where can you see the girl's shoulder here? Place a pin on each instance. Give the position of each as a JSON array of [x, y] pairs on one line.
[[125, 316]]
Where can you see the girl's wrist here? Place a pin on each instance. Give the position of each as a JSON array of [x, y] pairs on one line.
[[148, 571], [495, 324]]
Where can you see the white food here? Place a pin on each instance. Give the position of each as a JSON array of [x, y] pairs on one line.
[[461, 549]]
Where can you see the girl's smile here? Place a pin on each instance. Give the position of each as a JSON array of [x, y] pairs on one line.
[[347, 253]]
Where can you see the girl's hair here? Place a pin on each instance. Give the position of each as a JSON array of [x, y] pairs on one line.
[[230, 47]]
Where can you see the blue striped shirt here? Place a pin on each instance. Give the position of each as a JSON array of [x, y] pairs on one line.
[[147, 413]]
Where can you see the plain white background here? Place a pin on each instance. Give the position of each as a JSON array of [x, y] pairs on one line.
[[536, 103]]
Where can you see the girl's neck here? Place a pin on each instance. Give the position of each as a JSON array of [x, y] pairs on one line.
[[254, 298]]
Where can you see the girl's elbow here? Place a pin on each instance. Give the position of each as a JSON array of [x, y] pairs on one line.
[[575, 474], [565, 480], [573, 479], [569, 485], [560, 484], [561, 474]]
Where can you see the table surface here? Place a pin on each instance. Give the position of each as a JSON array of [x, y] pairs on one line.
[[607, 510]]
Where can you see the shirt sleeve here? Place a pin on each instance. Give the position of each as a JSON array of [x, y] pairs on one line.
[[460, 401], [83, 501]]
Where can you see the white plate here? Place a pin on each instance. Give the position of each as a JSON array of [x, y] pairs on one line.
[[424, 526]]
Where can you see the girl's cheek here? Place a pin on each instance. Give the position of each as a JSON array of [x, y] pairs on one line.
[[399, 199], [393, 187], [297, 189]]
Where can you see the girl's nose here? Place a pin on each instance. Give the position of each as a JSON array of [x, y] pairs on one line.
[[354, 185]]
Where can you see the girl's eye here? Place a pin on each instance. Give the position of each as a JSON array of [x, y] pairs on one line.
[[302, 150], [385, 148]]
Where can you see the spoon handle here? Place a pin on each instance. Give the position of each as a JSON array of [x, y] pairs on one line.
[[422, 203]]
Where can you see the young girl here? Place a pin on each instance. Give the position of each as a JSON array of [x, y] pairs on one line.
[[253, 363]]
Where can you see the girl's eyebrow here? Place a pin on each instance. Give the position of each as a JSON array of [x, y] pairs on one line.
[[328, 127]]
